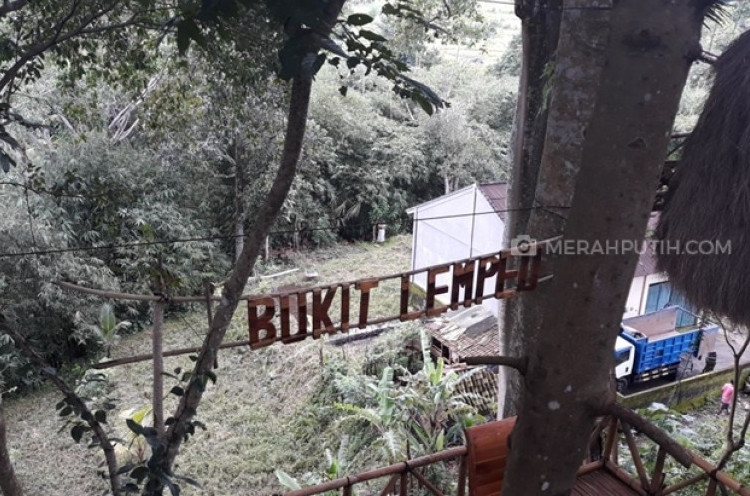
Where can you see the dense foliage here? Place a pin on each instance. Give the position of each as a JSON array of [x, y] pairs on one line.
[[131, 156]]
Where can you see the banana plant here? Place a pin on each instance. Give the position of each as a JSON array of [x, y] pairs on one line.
[[107, 328]]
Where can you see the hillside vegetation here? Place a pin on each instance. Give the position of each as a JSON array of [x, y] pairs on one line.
[[249, 414]]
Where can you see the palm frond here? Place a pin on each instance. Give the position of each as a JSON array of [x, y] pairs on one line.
[[716, 10]]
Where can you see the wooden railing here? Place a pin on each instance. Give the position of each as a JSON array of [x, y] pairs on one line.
[[407, 478], [404, 478], [654, 482]]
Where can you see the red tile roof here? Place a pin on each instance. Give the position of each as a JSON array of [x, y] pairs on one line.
[[497, 195]]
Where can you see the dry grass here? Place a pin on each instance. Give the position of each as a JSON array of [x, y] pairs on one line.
[[247, 413]]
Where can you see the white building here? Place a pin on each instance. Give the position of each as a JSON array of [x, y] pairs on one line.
[[471, 222], [459, 225]]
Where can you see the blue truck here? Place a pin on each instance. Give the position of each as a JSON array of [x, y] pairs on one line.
[[641, 356]]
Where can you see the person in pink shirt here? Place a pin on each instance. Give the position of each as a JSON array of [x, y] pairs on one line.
[[727, 393]]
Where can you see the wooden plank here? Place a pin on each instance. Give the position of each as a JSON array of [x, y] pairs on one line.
[[487, 453], [601, 483]]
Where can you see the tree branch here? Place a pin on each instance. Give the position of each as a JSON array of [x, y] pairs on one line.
[[232, 291], [73, 400], [518, 363], [9, 7], [58, 38], [9, 485]]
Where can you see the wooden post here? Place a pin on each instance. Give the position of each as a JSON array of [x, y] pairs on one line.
[[657, 476], [157, 400], [635, 455], [711, 490], [462, 477], [210, 315]]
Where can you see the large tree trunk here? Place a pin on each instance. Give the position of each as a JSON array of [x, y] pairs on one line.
[[621, 77], [9, 484], [540, 31]]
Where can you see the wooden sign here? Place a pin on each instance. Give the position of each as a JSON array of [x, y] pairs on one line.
[[270, 317]]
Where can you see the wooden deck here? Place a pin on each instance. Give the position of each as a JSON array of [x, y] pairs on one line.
[[601, 483], [481, 463]]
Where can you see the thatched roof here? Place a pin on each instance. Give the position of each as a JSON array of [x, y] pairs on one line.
[[709, 196]]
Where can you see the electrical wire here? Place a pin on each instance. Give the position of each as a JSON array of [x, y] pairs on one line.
[[81, 249]]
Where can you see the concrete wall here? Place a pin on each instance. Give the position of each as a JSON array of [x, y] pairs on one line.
[[687, 393]]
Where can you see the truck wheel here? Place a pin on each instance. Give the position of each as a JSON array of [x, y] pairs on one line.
[[622, 385]]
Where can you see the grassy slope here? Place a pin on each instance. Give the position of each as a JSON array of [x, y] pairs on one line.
[[247, 413]]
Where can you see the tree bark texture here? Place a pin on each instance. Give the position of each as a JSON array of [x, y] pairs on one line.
[[581, 46], [540, 31], [157, 347], [9, 485], [617, 145]]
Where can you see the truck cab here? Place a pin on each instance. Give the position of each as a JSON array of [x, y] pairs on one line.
[[624, 360]]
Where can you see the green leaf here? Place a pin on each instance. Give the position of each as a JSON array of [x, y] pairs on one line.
[[352, 62], [125, 469], [77, 433], [177, 391], [134, 426], [369, 35], [139, 473], [287, 480], [107, 321], [359, 19], [100, 416], [65, 411], [422, 101]]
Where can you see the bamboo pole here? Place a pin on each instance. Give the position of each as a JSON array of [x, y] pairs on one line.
[[611, 447], [396, 468], [142, 358], [657, 476], [721, 476], [711, 490], [676, 450], [157, 400], [625, 477], [636, 457], [590, 467], [682, 485], [462, 477], [390, 486], [429, 485]]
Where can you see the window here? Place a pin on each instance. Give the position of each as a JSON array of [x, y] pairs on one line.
[[660, 295], [621, 356]]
